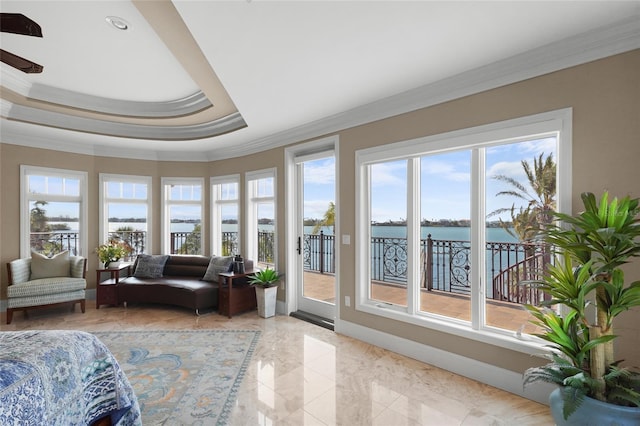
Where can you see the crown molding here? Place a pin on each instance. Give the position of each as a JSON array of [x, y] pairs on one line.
[[72, 142], [126, 130], [189, 104], [5, 107], [14, 81]]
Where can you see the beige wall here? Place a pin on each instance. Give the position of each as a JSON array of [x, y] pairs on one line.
[[604, 95]]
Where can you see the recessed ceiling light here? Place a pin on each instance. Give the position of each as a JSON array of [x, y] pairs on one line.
[[118, 23]]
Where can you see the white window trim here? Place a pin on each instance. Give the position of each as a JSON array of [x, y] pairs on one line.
[[103, 179], [293, 156], [25, 228], [559, 122], [165, 183], [251, 211], [215, 184]]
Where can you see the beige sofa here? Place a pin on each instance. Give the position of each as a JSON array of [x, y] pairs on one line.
[[61, 279]]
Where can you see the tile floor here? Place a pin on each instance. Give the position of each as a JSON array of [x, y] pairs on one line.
[[302, 374]]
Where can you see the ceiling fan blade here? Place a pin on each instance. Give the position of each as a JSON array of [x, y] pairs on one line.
[[17, 23], [17, 62]]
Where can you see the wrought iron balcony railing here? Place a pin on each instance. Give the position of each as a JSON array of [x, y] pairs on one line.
[[445, 264], [50, 243]]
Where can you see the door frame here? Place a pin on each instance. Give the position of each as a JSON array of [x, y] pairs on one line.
[[291, 219]]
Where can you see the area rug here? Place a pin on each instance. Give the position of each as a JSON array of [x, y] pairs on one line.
[[188, 377]]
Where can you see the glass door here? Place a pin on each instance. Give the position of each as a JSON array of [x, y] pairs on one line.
[[315, 217]]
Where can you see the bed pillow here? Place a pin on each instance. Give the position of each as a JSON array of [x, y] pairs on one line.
[[217, 265], [150, 266], [45, 267]]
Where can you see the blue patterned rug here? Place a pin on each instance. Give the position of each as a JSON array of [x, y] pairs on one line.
[[183, 377]]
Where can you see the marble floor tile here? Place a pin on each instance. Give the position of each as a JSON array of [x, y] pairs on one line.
[[302, 374]]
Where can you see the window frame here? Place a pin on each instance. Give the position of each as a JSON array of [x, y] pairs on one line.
[[104, 200], [215, 184], [252, 201], [25, 198], [557, 122], [165, 184]]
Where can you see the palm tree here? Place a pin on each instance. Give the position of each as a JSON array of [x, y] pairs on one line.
[[540, 198], [39, 218], [192, 242], [40, 229], [329, 218]]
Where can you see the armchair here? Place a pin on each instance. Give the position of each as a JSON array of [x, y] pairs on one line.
[[39, 281]]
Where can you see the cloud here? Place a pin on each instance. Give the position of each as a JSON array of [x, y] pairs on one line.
[[389, 174], [539, 146], [455, 169], [320, 172], [508, 168], [315, 209]]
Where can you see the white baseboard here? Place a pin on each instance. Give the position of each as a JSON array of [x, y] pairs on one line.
[[492, 375]]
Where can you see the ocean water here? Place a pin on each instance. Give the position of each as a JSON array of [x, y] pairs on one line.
[[442, 233], [437, 232]]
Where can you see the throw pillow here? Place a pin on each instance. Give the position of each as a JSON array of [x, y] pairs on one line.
[[45, 267], [150, 266], [217, 265]]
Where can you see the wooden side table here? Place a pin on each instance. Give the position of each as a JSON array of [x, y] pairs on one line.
[[107, 290], [235, 297]]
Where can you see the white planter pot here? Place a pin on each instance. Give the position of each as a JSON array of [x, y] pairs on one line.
[[266, 298]]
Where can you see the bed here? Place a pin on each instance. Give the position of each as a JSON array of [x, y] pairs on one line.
[[61, 377]]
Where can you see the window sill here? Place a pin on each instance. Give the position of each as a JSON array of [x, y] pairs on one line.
[[511, 340]]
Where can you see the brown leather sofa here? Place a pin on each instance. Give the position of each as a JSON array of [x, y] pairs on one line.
[[181, 284]]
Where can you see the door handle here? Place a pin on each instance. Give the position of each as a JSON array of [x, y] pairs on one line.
[[299, 248]]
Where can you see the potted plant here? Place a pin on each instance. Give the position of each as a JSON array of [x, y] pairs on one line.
[[112, 252], [586, 285], [265, 282]]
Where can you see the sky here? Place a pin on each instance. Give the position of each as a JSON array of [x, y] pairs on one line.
[[319, 187], [445, 181]]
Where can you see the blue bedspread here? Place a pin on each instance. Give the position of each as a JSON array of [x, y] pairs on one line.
[[62, 378]]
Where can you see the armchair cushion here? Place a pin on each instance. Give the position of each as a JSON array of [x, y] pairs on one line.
[[46, 286], [78, 266], [64, 283], [44, 267], [19, 270]]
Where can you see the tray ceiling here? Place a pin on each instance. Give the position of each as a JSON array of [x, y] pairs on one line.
[[224, 78]]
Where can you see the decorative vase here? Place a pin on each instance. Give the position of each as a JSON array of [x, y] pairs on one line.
[[266, 299], [593, 413]]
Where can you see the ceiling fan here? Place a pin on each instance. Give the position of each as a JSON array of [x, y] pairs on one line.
[[17, 23]]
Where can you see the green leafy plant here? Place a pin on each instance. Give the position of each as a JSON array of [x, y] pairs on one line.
[[265, 278], [112, 251], [590, 248]]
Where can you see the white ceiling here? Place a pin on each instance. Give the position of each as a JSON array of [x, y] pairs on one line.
[[300, 69]]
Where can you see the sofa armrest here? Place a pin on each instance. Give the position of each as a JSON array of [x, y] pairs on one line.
[[78, 266], [19, 271]]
